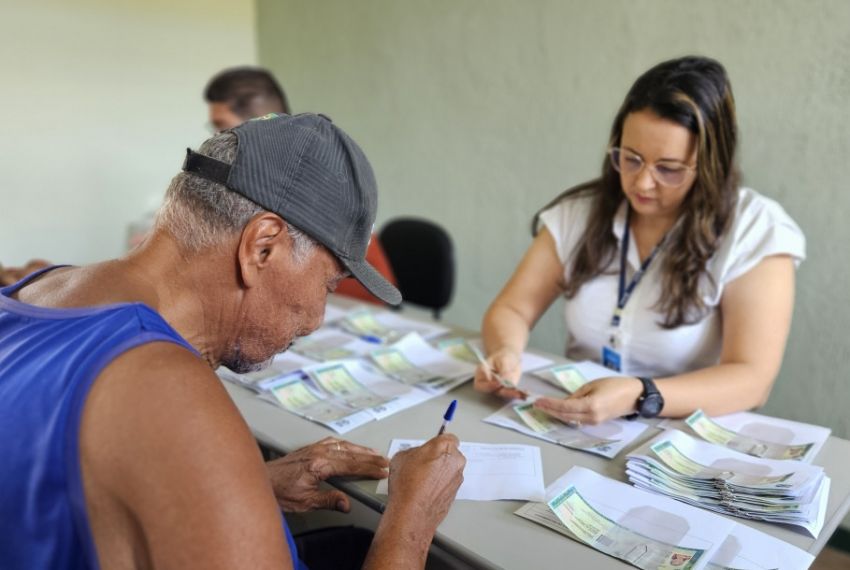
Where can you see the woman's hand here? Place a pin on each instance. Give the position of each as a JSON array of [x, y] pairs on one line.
[[595, 402], [506, 364]]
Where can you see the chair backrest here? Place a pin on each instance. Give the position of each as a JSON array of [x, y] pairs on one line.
[[422, 258]]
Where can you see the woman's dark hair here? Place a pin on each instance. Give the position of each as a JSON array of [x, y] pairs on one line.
[[693, 92]]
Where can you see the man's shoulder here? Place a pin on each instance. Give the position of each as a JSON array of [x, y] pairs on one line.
[[160, 393], [151, 368], [161, 443]]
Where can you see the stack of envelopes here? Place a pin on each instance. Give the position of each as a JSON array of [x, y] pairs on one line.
[[721, 479]]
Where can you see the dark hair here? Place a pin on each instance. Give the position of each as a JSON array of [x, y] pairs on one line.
[[693, 92], [248, 91]]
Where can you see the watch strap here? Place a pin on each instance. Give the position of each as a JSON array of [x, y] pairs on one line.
[[649, 387]]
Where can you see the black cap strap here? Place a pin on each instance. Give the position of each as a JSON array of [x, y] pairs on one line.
[[206, 167]]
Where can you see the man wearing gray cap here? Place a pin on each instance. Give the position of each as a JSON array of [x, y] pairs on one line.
[[128, 452]]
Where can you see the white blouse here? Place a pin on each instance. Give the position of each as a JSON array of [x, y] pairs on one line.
[[760, 228]]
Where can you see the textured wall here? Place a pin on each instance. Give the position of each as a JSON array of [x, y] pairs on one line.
[[476, 112], [99, 98]]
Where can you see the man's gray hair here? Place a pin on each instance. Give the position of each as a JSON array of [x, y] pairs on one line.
[[201, 214]]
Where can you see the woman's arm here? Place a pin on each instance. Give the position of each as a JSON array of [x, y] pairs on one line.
[[756, 309], [536, 283]]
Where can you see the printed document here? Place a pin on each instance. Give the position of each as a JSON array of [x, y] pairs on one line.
[[761, 436], [412, 360], [493, 471], [644, 529], [386, 326], [743, 549]]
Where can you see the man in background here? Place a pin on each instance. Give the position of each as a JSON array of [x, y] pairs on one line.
[[237, 94]]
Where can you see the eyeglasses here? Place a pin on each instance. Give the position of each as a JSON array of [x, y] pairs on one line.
[[665, 173]]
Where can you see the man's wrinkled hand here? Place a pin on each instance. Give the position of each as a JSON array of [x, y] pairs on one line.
[[424, 480], [296, 477]]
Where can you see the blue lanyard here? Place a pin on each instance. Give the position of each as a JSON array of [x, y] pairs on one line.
[[625, 291]]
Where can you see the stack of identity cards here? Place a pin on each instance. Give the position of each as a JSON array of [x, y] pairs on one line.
[[721, 479]]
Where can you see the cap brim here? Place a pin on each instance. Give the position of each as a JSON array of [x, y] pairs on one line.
[[374, 282]]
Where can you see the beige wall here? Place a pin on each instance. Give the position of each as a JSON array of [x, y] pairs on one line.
[[99, 99], [476, 112]]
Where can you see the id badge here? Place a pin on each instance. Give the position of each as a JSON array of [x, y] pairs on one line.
[[611, 358]]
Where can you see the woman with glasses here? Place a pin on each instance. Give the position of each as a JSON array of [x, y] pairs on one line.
[[674, 276]]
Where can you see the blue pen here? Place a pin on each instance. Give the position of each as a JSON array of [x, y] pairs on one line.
[[447, 417], [371, 338]]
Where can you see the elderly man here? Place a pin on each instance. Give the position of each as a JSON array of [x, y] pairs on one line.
[[120, 447], [237, 94]]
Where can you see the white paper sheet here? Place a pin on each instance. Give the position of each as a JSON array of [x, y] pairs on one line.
[[493, 471], [748, 549]]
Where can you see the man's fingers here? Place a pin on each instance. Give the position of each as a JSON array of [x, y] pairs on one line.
[[349, 447], [332, 500], [334, 447], [445, 444], [354, 465]]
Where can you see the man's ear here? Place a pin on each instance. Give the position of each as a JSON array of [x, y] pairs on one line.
[[264, 239]]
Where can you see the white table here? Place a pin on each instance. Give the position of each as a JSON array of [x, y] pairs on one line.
[[488, 534]]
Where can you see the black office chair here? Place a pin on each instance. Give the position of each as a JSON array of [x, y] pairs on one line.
[[422, 257]]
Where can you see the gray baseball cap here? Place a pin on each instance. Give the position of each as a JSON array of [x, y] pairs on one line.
[[313, 175]]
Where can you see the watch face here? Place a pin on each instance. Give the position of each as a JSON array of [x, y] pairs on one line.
[[651, 405]]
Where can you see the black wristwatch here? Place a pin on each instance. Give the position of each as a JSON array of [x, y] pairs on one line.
[[650, 403]]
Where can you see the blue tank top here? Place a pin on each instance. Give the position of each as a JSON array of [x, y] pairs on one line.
[[49, 359]]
